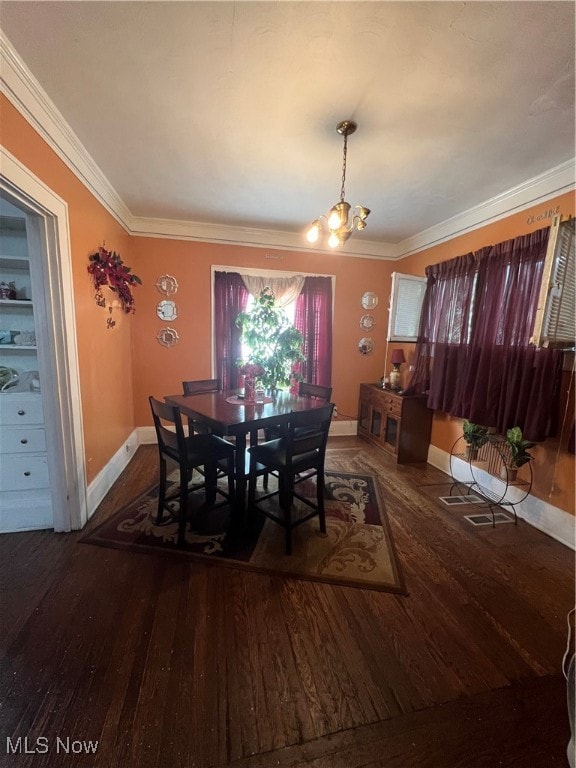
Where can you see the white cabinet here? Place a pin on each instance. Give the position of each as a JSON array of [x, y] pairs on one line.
[[25, 494]]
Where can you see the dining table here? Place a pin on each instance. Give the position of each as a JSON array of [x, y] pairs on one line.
[[229, 414]]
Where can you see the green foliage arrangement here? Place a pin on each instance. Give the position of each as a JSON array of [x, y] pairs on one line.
[[518, 448], [274, 343], [475, 435]]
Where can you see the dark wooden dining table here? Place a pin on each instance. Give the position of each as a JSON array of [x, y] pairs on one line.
[[240, 421]]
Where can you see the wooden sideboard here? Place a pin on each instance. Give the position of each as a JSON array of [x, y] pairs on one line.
[[400, 424]]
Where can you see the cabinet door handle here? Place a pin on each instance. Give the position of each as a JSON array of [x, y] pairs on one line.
[[21, 412], [24, 441], [27, 474]]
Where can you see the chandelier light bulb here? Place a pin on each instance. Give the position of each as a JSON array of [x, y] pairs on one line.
[[333, 240], [334, 220], [314, 232]]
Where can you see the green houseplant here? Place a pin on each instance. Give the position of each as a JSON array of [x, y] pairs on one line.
[[273, 342], [475, 436], [518, 452]]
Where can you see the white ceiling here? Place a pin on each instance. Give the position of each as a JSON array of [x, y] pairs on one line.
[[224, 113]]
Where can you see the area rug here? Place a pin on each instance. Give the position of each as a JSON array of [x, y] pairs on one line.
[[356, 550]]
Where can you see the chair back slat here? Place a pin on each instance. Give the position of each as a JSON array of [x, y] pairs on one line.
[[168, 425], [199, 386], [305, 389], [308, 431]]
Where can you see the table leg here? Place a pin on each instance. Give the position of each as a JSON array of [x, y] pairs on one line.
[[240, 478]]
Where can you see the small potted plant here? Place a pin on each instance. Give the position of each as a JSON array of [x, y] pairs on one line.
[[517, 453], [475, 436]]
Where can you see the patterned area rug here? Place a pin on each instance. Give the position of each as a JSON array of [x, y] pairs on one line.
[[356, 550]]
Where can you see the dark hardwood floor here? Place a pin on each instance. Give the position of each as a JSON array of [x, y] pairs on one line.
[[175, 663]]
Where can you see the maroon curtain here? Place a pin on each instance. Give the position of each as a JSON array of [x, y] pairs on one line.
[[473, 354], [313, 319], [230, 298], [444, 331]]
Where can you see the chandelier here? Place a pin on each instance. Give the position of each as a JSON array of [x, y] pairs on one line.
[[337, 219]]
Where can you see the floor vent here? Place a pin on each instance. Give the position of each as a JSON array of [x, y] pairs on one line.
[[499, 517], [471, 498]]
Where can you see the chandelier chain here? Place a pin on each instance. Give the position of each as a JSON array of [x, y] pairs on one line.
[[344, 167]]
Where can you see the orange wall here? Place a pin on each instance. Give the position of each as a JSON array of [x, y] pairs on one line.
[[105, 356], [160, 371], [553, 466]]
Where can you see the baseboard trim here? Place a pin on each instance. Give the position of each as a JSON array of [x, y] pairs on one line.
[[338, 428], [551, 520], [106, 478], [342, 427]]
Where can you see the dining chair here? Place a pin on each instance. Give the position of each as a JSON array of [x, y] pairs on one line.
[[189, 453], [301, 449], [198, 387], [305, 389]]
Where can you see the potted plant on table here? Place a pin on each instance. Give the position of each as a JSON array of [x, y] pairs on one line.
[[475, 436], [517, 453]]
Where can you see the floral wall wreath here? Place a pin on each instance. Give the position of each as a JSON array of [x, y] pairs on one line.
[[107, 268]]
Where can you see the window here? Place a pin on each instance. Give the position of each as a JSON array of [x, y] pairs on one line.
[[312, 312], [405, 307]]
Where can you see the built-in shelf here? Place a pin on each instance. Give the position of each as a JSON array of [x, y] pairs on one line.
[[19, 347], [14, 262], [13, 303]]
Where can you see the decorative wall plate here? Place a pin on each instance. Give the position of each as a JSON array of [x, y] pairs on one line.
[[369, 300], [168, 337], [167, 284], [367, 322], [365, 346], [167, 310]]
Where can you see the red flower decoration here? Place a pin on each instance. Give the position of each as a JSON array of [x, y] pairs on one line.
[[107, 268], [251, 369]]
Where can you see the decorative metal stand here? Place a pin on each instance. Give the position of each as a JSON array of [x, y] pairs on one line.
[[490, 476]]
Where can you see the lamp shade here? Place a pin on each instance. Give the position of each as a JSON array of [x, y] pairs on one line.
[[397, 357]]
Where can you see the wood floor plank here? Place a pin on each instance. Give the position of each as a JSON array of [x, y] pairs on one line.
[[522, 725]]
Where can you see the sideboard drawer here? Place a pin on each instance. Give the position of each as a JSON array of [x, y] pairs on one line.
[[22, 440], [391, 404], [24, 472], [21, 409]]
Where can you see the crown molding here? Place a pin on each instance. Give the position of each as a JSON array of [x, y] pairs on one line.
[[540, 188], [27, 95], [248, 236]]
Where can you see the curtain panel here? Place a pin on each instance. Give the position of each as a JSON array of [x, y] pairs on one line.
[[313, 319], [230, 298], [473, 356]]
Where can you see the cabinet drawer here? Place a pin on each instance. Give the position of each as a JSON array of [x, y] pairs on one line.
[[391, 404], [24, 472], [15, 409], [22, 440]]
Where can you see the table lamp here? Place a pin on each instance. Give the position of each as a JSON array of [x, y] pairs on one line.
[[395, 377]]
